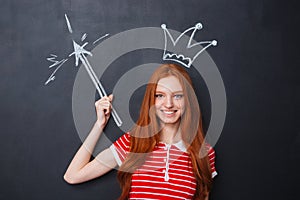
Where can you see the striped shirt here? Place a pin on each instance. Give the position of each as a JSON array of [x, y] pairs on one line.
[[167, 172]]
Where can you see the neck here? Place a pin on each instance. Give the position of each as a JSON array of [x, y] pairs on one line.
[[171, 133]]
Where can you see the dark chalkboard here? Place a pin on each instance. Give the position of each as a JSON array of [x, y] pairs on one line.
[[257, 57]]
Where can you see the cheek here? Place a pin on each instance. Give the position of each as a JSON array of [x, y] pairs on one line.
[[182, 106], [158, 103]]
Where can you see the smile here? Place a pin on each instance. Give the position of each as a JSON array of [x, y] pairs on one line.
[[168, 112]]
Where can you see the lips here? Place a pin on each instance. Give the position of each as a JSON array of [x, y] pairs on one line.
[[169, 112]]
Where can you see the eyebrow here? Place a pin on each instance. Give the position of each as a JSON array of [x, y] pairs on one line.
[[179, 91]]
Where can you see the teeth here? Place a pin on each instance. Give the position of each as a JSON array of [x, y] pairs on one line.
[[168, 112]]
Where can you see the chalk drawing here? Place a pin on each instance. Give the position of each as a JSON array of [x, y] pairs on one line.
[[57, 63], [185, 60], [68, 24], [100, 38], [80, 55], [83, 37]]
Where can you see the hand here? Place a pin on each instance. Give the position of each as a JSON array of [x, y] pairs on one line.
[[103, 109]]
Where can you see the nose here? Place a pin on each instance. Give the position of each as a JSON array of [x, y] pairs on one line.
[[168, 102]]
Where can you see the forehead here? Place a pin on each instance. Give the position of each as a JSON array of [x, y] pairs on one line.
[[170, 83]]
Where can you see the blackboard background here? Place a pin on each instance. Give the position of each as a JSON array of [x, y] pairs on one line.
[[258, 151]]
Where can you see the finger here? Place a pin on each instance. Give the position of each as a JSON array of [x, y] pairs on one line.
[[104, 103], [111, 96], [105, 98], [108, 108]]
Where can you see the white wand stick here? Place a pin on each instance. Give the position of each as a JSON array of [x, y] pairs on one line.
[[79, 52]]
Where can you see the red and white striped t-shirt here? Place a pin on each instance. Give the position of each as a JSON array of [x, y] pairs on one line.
[[166, 174]]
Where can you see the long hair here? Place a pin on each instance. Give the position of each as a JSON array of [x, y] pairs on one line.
[[145, 134]]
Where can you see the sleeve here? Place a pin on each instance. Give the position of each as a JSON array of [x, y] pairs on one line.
[[212, 156], [120, 148]]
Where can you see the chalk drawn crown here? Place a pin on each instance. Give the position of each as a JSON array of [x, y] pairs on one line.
[[191, 51]]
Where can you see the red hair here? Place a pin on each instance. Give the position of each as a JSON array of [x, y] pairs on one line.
[[145, 134]]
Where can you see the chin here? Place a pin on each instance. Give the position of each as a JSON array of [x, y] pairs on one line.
[[169, 121]]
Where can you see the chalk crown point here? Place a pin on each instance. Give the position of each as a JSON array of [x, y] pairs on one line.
[[214, 42], [198, 26], [192, 49]]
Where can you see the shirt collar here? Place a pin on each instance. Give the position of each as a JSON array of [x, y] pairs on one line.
[[179, 145]]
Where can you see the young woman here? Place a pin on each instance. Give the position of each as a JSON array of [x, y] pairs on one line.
[[164, 156]]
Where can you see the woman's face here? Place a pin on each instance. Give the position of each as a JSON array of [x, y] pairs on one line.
[[169, 100]]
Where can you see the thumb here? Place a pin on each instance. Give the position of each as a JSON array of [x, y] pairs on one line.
[[111, 96]]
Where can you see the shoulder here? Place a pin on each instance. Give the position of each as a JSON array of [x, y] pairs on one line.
[[124, 140], [120, 148], [210, 150], [211, 154]]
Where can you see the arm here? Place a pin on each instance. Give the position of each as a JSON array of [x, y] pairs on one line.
[[81, 169], [207, 197]]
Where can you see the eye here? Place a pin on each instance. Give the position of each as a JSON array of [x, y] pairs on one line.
[[178, 96], [159, 96]]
